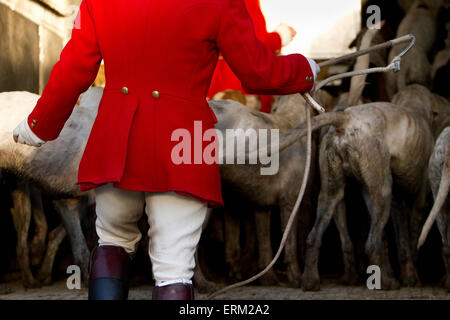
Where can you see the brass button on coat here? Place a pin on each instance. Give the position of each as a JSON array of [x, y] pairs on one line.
[[125, 90], [155, 94]]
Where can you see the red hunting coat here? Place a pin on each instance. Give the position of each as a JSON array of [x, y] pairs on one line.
[[224, 78], [159, 59]]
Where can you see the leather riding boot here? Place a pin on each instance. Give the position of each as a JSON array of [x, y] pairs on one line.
[[109, 268], [177, 291]]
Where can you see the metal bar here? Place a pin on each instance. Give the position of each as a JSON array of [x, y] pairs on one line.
[[385, 45]]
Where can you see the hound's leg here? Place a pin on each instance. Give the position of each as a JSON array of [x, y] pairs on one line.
[[55, 238], [379, 210], [327, 206], [250, 248], [331, 193], [202, 284], [418, 216], [291, 250], [265, 253], [21, 213], [38, 244], [446, 249], [443, 223], [340, 218], [69, 212], [232, 243], [408, 272], [4, 289], [305, 215], [387, 268]]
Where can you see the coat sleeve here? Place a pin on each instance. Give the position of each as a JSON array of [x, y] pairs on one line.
[[259, 69], [73, 74], [270, 39]]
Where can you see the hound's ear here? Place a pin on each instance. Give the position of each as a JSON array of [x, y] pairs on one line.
[[357, 40], [354, 43]]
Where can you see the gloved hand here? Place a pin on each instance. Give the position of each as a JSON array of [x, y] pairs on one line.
[[286, 32], [23, 134], [314, 67]]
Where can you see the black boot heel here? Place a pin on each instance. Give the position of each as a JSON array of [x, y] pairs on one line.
[[108, 279]]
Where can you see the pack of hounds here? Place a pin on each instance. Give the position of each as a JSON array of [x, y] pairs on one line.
[[396, 146]]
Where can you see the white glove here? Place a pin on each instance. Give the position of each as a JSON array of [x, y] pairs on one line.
[[26, 136], [285, 33], [314, 67]]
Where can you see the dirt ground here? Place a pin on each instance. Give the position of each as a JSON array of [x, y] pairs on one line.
[[330, 291]]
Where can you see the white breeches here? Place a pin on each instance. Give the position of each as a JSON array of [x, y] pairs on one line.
[[175, 228]]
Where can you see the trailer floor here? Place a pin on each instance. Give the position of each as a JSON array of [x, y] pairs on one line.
[[329, 291]]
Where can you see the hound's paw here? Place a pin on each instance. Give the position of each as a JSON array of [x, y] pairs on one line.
[[269, 279], [389, 283], [294, 275], [410, 278], [411, 281], [349, 278], [446, 283], [207, 287], [310, 283]]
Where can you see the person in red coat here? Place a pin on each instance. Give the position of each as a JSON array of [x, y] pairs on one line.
[[159, 59], [225, 79]]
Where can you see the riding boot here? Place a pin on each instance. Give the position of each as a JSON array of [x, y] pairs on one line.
[[177, 291], [109, 270]]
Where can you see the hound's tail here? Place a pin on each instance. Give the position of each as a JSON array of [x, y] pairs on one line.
[[438, 203]]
